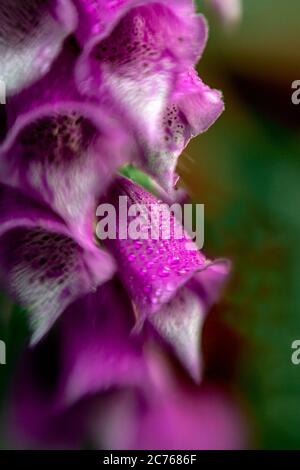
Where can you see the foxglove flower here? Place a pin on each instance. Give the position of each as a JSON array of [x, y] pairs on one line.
[[123, 88], [171, 286], [181, 418], [95, 353], [31, 36], [102, 384], [61, 148], [129, 65], [170, 414], [170, 282], [138, 60], [41, 264]]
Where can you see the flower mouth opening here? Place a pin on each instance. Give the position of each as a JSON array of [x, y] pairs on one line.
[[136, 40], [58, 138]]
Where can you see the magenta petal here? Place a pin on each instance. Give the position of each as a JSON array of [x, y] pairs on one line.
[[170, 285], [199, 104], [209, 284], [98, 351], [136, 65], [90, 352], [62, 149], [17, 210], [131, 64], [180, 322], [203, 419], [193, 107], [151, 269], [41, 265], [99, 18], [33, 419], [31, 36], [175, 415]]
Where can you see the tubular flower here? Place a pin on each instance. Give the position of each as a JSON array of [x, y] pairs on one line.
[[139, 60], [126, 63], [170, 282], [102, 384], [170, 414], [105, 82], [95, 354], [61, 148], [170, 286], [42, 265]]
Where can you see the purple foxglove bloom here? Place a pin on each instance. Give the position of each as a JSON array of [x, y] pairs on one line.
[[103, 384], [228, 11], [132, 65], [61, 148], [170, 282], [32, 33], [203, 418], [41, 264], [171, 414], [138, 60], [95, 354], [191, 109], [127, 92], [170, 285]]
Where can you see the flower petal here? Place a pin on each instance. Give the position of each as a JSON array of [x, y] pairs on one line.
[[192, 109], [175, 415], [161, 259], [41, 265], [31, 36], [180, 322], [209, 284], [88, 354], [132, 63], [61, 149], [98, 352], [34, 419], [137, 65], [98, 18], [203, 419]]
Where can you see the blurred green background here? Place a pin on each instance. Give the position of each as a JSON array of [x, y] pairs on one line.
[[246, 170]]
